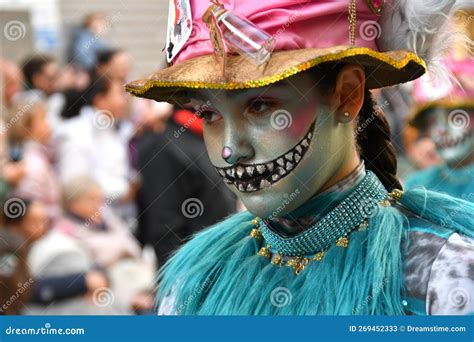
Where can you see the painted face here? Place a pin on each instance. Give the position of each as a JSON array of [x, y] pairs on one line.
[[452, 131], [274, 147]]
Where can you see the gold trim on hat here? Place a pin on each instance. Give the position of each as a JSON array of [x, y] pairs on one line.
[[349, 52]]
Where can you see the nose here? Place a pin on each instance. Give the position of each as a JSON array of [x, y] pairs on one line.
[[236, 149]]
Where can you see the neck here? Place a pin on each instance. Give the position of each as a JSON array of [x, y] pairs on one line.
[[324, 200]]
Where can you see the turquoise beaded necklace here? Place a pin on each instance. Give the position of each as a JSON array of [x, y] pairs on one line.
[[333, 229]]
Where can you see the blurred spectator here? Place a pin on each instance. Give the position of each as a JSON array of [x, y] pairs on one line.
[[88, 41], [12, 82], [89, 220], [40, 72], [175, 170], [113, 64], [420, 149], [63, 279], [29, 134], [11, 171], [91, 143], [106, 238], [15, 281]]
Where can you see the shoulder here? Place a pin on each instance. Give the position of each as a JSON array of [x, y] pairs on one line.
[[438, 261]]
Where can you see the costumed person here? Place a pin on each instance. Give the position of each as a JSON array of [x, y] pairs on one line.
[[291, 127], [444, 112]]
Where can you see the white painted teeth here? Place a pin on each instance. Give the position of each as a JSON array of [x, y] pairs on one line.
[[264, 184], [240, 171], [260, 169], [271, 171]]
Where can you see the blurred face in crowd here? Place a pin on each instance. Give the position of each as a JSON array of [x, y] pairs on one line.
[[113, 102], [118, 67], [276, 147], [452, 132], [39, 129], [88, 205], [423, 153], [12, 82], [45, 79], [34, 223]]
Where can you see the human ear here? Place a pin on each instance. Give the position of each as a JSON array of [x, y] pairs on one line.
[[348, 95]]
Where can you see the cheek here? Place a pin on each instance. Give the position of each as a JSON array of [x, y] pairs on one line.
[[213, 138], [302, 117]]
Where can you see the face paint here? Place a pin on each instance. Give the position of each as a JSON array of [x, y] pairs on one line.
[[274, 147], [452, 132]]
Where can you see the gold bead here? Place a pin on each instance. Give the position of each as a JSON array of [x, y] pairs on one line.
[[277, 260], [256, 234], [319, 256], [343, 241], [396, 194], [385, 203], [265, 252]]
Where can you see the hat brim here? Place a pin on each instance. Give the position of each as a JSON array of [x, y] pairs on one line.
[[382, 69], [418, 113]]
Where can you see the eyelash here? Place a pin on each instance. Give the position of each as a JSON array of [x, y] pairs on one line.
[[267, 102]]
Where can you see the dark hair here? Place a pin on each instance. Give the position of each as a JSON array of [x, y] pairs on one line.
[[98, 86], [372, 132], [14, 273], [34, 65], [105, 56]]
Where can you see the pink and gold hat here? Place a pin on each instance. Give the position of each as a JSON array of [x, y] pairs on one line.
[[303, 34], [431, 93]]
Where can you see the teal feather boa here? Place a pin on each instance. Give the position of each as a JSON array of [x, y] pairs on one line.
[[219, 272]]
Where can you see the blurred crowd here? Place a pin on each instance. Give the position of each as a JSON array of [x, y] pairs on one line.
[[99, 188], [95, 186]]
